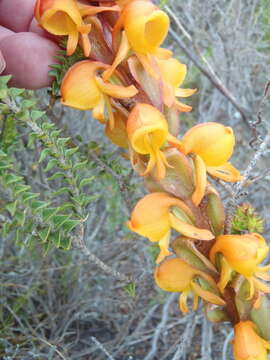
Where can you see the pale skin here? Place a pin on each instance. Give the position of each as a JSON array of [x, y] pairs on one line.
[[26, 51]]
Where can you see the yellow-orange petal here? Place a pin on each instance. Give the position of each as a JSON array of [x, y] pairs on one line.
[[183, 301], [120, 56], [184, 92], [207, 295], [200, 180], [88, 10], [146, 26], [59, 16], [190, 231], [182, 107], [174, 275], [118, 135], [164, 245], [226, 172], [225, 274], [247, 344], [213, 142], [116, 91], [172, 71], [79, 88]]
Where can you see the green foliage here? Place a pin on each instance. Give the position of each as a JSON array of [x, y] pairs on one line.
[[46, 217], [64, 62], [246, 220]]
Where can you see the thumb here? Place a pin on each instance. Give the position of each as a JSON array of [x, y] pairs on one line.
[[2, 62]]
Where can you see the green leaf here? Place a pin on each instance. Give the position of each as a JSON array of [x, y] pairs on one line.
[[14, 92], [9, 132], [37, 205], [57, 175], [51, 164], [49, 212], [20, 217], [62, 141], [21, 188], [89, 198], [11, 207], [86, 181], [44, 153], [131, 289], [11, 179], [36, 114], [60, 191], [29, 196], [65, 206], [48, 245], [26, 104], [66, 242], [2, 154], [69, 225], [55, 238], [43, 234], [5, 165], [47, 126], [4, 80], [70, 152], [80, 165], [59, 220], [55, 133]]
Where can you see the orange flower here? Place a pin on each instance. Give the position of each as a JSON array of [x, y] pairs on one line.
[[83, 89], [175, 275], [64, 17], [243, 254], [145, 27], [247, 344], [155, 215], [173, 74], [148, 131], [212, 144]]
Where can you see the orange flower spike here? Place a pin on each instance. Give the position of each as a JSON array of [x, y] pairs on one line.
[[148, 131], [62, 17], [243, 254], [213, 143], [247, 344], [175, 275], [153, 219], [83, 89]]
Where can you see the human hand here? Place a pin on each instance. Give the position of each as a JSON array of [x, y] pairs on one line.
[[26, 51]]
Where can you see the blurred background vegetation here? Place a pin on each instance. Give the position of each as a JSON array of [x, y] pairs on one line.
[[61, 299]]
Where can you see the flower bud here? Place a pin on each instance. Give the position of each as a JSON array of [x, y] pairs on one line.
[[215, 212], [175, 275], [179, 176], [247, 344]]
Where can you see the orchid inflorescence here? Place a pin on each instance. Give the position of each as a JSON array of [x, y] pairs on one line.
[[133, 86]]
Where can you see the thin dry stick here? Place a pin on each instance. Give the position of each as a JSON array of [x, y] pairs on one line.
[[78, 243], [237, 189], [210, 74], [121, 182], [101, 347], [186, 338], [160, 327], [225, 345]]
